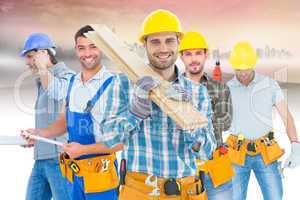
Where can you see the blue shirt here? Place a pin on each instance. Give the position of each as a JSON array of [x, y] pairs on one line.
[[47, 108], [156, 145], [252, 106]]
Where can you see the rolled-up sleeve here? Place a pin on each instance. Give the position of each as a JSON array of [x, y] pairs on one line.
[[277, 92], [222, 117]]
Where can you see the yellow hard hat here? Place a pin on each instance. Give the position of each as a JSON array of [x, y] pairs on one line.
[[192, 40], [243, 56], [160, 21]]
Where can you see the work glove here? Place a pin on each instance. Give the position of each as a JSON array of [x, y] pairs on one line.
[[293, 160], [178, 93], [140, 104]]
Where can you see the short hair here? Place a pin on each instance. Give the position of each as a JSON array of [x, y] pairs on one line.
[[52, 57], [82, 31], [51, 52]]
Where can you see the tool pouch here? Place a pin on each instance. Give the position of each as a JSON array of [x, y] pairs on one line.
[[66, 172], [192, 195], [97, 180], [236, 156], [220, 169], [271, 153]]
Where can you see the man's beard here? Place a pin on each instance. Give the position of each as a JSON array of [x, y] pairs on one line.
[[155, 63], [196, 71]]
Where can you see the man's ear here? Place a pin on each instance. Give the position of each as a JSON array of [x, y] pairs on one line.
[[206, 53]]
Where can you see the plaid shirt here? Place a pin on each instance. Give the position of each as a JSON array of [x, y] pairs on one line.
[[221, 104], [156, 145]]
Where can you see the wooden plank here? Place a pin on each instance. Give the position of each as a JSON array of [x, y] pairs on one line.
[[183, 113]]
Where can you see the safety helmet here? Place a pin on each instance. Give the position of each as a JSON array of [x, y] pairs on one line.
[[160, 21], [243, 56], [192, 40], [37, 41]]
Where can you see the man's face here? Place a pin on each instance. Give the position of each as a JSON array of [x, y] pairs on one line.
[[89, 55], [162, 49], [29, 61], [194, 60], [245, 76]]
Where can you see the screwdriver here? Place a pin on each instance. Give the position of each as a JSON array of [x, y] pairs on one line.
[[122, 172], [240, 141]]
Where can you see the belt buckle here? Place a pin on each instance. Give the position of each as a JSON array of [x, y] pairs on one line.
[[251, 146], [172, 187]]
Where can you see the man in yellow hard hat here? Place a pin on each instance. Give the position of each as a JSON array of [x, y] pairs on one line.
[[252, 143], [194, 52], [160, 155]]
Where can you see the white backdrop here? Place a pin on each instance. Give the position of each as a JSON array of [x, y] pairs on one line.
[[17, 162]]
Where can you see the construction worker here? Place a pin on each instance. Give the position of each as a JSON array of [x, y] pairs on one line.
[[253, 146], [90, 167], [46, 180], [159, 157], [194, 52]]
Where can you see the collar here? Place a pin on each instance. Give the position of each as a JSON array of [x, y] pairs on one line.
[[204, 79], [236, 82], [98, 76]]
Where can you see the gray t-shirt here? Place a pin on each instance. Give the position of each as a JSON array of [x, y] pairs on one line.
[[47, 108], [252, 106]]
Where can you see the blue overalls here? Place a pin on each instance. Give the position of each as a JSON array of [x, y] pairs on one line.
[[81, 130]]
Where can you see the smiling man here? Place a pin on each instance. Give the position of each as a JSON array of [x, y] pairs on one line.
[[90, 167], [160, 155]]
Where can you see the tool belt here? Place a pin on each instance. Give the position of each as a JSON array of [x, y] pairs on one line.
[[219, 168], [266, 146], [187, 188], [99, 173]]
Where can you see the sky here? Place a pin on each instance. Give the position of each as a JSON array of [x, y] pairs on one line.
[[264, 23]]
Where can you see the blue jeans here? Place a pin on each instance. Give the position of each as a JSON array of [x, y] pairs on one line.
[[46, 182], [222, 192], [268, 178]]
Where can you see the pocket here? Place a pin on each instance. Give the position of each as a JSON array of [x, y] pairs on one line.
[[237, 157], [191, 192], [66, 172], [272, 153], [128, 193], [101, 181], [220, 170]]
